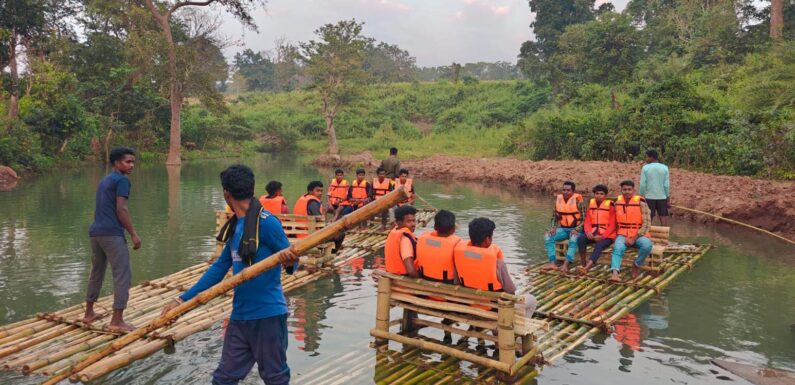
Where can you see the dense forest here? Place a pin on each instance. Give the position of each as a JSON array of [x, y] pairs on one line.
[[707, 82]]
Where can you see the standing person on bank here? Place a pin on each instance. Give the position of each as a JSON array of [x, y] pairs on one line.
[[108, 245], [655, 186], [391, 164], [257, 330]]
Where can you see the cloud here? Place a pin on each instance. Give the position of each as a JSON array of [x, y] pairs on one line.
[[501, 10]]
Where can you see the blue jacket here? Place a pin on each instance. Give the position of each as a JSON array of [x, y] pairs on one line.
[[262, 296]]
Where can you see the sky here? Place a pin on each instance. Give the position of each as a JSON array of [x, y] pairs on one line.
[[435, 32]]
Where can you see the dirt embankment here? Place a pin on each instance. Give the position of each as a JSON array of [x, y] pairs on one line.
[[762, 203]]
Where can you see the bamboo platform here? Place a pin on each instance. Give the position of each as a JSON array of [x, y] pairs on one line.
[[575, 308], [50, 343]]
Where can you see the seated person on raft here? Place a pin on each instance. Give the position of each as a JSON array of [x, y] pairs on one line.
[[435, 250], [361, 191], [381, 186], [408, 184], [480, 264], [274, 202], [309, 203], [633, 219], [338, 191], [567, 223], [401, 246], [435, 256], [600, 227]]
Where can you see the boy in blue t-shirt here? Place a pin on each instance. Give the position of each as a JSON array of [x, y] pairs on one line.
[[257, 330], [108, 245]]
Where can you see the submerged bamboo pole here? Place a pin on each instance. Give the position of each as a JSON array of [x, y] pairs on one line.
[[358, 216]]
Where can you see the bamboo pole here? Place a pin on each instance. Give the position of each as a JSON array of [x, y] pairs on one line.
[[506, 339], [382, 308], [394, 197], [722, 218]]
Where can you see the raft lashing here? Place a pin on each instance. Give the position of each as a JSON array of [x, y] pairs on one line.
[[51, 343]]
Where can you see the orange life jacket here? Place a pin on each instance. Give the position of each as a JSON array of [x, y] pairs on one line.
[[407, 186], [359, 190], [394, 263], [273, 205], [477, 266], [382, 188], [435, 256], [599, 215], [338, 193], [300, 209], [567, 211], [629, 216]]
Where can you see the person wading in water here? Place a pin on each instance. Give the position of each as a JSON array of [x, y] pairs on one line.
[[108, 244]]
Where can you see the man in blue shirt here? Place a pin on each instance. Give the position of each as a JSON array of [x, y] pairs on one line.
[[108, 244], [257, 330], [655, 186]]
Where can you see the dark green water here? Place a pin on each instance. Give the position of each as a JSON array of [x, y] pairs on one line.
[[738, 302]]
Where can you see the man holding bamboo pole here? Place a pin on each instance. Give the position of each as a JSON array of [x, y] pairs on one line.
[[257, 330]]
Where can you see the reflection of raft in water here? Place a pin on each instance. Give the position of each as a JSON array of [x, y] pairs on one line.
[[51, 343], [573, 307]]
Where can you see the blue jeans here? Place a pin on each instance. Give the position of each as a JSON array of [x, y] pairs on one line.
[[262, 341], [619, 247], [561, 234]]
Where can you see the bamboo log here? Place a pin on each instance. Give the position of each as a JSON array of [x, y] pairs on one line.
[[722, 218], [441, 348], [397, 196], [382, 308], [506, 339]]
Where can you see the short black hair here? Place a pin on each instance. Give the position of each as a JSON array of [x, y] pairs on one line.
[[380, 170], [119, 152], [404, 210], [238, 180], [600, 187], [652, 153], [480, 229], [360, 171], [403, 171], [627, 183], [444, 222], [570, 183], [338, 171], [313, 185], [272, 187], [393, 151]]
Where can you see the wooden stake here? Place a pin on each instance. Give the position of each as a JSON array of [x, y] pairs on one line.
[[382, 308]]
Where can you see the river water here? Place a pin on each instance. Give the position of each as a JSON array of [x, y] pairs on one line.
[[737, 302]]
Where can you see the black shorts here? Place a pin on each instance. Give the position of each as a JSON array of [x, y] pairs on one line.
[[658, 207]]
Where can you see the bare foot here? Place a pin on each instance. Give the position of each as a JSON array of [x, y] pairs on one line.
[[582, 270], [90, 317], [615, 277], [635, 271], [121, 327], [550, 266], [565, 267]]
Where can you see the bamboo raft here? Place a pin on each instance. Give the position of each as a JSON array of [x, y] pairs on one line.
[[51, 343], [575, 308]]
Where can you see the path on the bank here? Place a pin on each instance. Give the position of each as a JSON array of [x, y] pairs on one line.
[[763, 203]]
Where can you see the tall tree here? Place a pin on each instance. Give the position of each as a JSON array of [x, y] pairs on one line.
[[334, 63], [776, 19], [162, 13], [553, 16], [19, 20]]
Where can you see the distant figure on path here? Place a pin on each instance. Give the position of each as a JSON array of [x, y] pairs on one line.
[[108, 244], [655, 186], [391, 164], [257, 329]]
